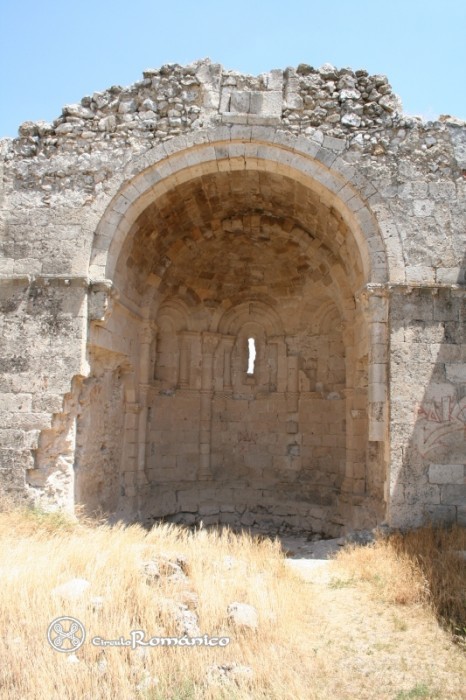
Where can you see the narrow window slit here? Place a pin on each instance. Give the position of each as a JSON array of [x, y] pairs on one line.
[[251, 355]]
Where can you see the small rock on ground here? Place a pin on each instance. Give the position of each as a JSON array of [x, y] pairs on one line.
[[243, 615], [227, 674]]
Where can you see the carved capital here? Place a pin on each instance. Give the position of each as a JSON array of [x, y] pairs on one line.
[[101, 298], [210, 342], [373, 302], [147, 331]]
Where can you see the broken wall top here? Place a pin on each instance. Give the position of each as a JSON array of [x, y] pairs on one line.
[[59, 178], [341, 103]]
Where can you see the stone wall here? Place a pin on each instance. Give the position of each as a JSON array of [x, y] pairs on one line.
[[149, 231], [429, 421]]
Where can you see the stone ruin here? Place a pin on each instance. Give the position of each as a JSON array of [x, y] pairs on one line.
[[239, 300]]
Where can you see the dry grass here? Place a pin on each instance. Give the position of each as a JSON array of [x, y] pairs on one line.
[[308, 645], [439, 556], [40, 552], [425, 566]]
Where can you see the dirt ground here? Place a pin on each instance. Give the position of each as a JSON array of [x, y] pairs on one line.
[[399, 650]]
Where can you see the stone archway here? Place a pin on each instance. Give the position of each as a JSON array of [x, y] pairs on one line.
[[206, 249]]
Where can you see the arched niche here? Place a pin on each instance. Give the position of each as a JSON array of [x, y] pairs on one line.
[[207, 250]]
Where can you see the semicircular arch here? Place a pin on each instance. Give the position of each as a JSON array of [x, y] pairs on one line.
[[156, 173]]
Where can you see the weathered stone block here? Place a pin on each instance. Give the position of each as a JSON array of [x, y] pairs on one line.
[[456, 373], [447, 473], [440, 514], [453, 494]]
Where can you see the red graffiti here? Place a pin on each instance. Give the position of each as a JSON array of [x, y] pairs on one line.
[[440, 419]]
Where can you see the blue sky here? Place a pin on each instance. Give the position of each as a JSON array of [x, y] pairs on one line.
[[53, 53]]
